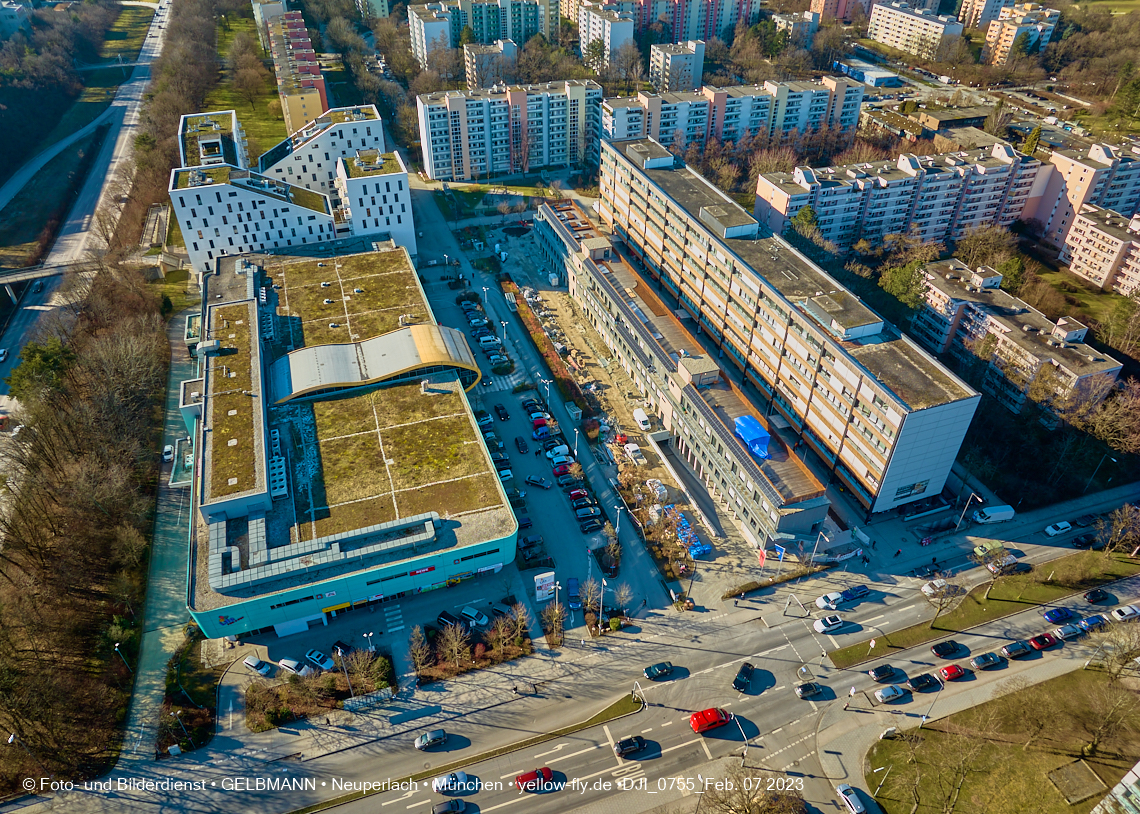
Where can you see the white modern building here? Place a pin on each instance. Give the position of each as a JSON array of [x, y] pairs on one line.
[[677, 67], [509, 129], [372, 187], [611, 28], [916, 31]]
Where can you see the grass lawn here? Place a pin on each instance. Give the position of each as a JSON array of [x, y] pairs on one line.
[[1007, 764], [174, 286], [126, 35], [1092, 301], [340, 86], [25, 216], [1115, 6], [1049, 582], [174, 237], [261, 128]]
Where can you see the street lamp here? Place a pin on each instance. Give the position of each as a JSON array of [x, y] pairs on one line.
[[344, 667], [884, 780], [973, 496], [124, 658], [814, 550], [617, 527], [575, 435], [1087, 485], [741, 727], [13, 738], [371, 647], [546, 382], [177, 715]]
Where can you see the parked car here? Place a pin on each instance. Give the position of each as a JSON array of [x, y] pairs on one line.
[[258, 666], [1095, 595], [562, 460], [583, 503], [1015, 650], [342, 649], [577, 494], [743, 677], [473, 617], [501, 412], [1042, 642], [518, 503], [535, 480], [295, 667], [535, 780], [319, 659], [1058, 528], [850, 799], [892, 692], [1084, 521], [1055, 615], [444, 619], [501, 611], [429, 739], [946, 649], [453, 806], [828, 624], [922, 681], [707, 719], [167, 453], [569, 483], [829, 601], [590, 526], [1091, 623], [1125, 613], [587, 513], [1083, 541], [505, 475], [985, 661], [520, 442], [883, 672], [663, 669], [530, 541], [808, 689], [629, 745], [560, 470], [951, 672], [525, 522], [1066, 632]]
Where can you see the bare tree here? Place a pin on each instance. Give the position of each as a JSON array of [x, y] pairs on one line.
[[1119, 647], [521, 619], [249, 83], [745, 790], [499, 634], [1113, 710], [941, 593], [454, 644], [1028, 717], [623, 596], [420, 650], [591, 596], [553, 618], [1120, 531]]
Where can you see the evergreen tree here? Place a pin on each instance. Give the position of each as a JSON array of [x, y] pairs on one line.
[[1029, 146]]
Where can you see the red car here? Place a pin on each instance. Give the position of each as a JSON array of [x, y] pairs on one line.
[[951, 672], [561, 469], [534, 780], [578, 494], [1042, 642], [708, 719]]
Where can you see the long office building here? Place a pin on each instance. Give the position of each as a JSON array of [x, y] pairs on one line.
[[882, 414], [1026, 352], [917, 31], [1103, 247], [440, 24], [331, 181], [775, 110], [300, 83], [509, 129], [768, 494], [935, 198]]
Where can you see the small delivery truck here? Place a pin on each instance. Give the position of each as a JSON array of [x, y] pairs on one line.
[[994, 514]]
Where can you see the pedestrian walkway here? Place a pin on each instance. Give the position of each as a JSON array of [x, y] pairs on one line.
[[393, 619]]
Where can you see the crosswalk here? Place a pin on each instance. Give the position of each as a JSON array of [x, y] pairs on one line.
[[393, 618], [503, 383]]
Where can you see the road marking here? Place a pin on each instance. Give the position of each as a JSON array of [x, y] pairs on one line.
[[399, 799], [875, 618], [518, 799], [420, 803], [705, 745], [667, 723], [774, 731], [575, 754], [646, 730], [814, 706], [727, 704], [781, 687], [557, 748], [610, 742]]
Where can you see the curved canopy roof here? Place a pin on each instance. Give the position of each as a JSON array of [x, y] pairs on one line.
[[322, 369]]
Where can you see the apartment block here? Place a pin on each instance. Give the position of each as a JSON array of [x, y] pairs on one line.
[[1035, 22], [374, 196], [611, 28], [677, 67], [882, 414], [829, 10], [295, 197], [980, 13], [683, 386], [1103, 247], [936, 197], [308, 158], [439, 25], [370, 9], [264, 12], [299, 81], [801, 27], [488, 65], [1107, 176], [917, 31], [517, 128], [967, 315], [775, 109]]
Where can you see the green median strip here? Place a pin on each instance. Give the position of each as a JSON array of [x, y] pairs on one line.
[[626, 705], [1049, 582]]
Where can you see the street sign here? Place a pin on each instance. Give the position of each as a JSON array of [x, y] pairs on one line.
[[780, 550], [543, 586], [872, 644]]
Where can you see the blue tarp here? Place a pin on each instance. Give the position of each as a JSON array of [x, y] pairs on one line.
[[754, 435]]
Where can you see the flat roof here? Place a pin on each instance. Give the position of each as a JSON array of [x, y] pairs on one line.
[[499, 92], [330, 118], [372, 162], [914, 376], [196, 177], [204, 127]]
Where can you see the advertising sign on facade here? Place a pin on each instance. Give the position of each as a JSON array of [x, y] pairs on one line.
[[544, 586]]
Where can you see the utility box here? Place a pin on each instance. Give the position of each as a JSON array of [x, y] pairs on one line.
[[574, 411]]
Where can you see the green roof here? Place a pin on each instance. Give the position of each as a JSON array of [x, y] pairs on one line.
[[206, 126], [372, 162], [271, 187], [231, 419]]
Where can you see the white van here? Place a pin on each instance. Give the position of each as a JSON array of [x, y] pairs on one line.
[[994, 514], [489, 342], [641, 418]]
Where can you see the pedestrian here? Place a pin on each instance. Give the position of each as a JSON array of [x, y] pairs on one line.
[[536, 452], [934, 561], [742, 594], [848, 704], [873, 543], [736, 603], [328, 722], [516, 689], [898, 552]]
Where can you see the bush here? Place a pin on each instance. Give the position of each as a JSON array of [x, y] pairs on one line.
[[480, 651], [615, 623]]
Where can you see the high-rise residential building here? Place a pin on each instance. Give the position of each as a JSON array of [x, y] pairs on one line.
[[1106, 176], [764, 486], [801, 26], [308, 157], [296, 196], [677, 67], [829, 10], [917, 31], [509, 129], [1103, 247], [1026, 355], [612, 29], [300, 83], [1027, 26], [882, 414], [935, 198], [14, 17], [264, 12], [980, 13], [773, 110], [488, 65], [373, 8], [440, 24]]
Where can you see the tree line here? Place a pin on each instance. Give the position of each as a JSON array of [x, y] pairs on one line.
[[79, 479]]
